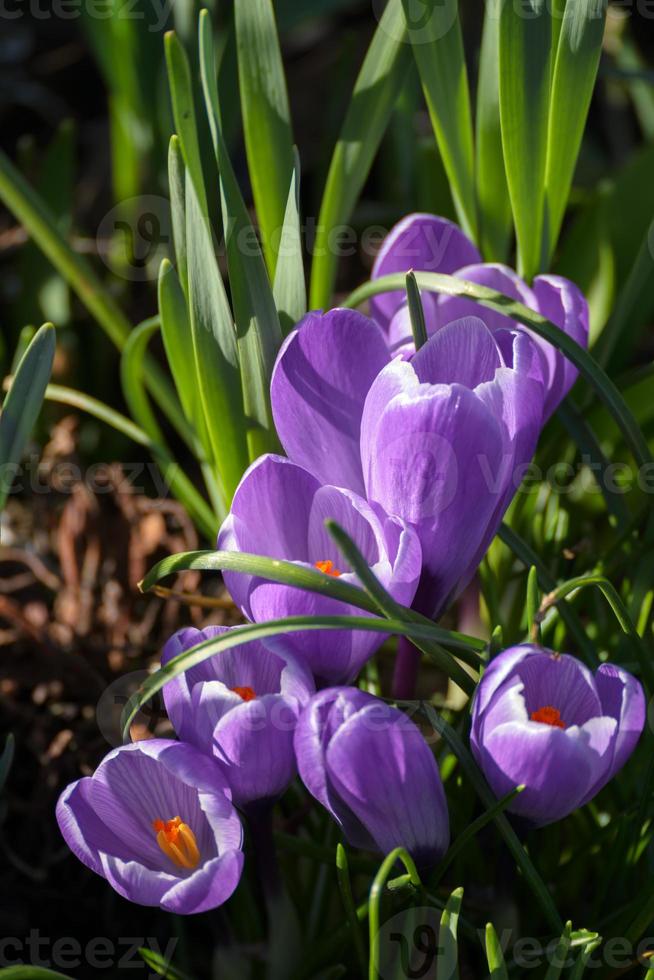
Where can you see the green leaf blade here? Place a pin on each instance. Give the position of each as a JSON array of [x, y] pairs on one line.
[[266, 118], [525, 45], [437, 44], [23, 402]]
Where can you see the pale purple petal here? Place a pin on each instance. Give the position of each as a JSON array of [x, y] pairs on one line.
[[563, 303], [385, 773], [464, 352], [318, 388], [208, 887], [424, 243]]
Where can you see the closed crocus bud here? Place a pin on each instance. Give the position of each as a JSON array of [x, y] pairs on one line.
[[156, 820], [241, 706], [543, 720], [370, 767], [279, 510]]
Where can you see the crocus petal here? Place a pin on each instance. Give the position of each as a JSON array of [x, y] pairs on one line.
[[622, 698], [269, 516], [563, 303], [333, 657], [84, 832], [463, 352], [254, 742], [555, 768], [495, 276], [317, 724], [388, 777], [318, 388], [208, 888], [176, 693], [136, 882], [424, 243], [426, 450]]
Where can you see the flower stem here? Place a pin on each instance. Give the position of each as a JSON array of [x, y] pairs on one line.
[[405, 676], [261, 829]]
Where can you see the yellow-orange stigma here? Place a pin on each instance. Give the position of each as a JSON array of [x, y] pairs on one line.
[[177, 841], [327, 567], [548, 716], [246, 693]]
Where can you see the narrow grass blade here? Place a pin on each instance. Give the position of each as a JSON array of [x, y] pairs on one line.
[[6, 759], [260, 631], [560, 954], [257, 323], [289, 287], [495, 221], [416, 312], [471, 831], [23, 403], [448, 960], [376, 895], [181, 486], [266, 118], [437, 44], [525, 71], [522, 859], [575, 71], [494, 955], [602, 384], [181, 92], [345, 886], [177, 186], [41, 225], [389, 607], [375, 93], [214, 344], [289, 573]]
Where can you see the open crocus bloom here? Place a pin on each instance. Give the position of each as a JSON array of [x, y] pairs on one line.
[[241, 705], [370, 767], [426, 243], [156, 820], [440, 440], [279, 510], [543, 720]]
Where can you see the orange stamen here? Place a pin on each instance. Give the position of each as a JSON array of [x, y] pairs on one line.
[[327, 567], [548, 716], [247, 693], [177, 841]]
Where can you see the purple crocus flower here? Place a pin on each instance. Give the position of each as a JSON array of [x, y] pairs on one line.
[[279, 510], [440, 440], [542, 719], [241, 706], [426, 243], [156, 820], [369, 766]]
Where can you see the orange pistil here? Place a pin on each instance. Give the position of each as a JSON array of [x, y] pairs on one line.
[[177, 841], [246, 693], [548, 716], [327, 567]]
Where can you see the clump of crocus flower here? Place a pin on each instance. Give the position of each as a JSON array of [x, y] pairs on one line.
[[370, 767], [241, 706], [157, 821], [279, 510], [543, 720]]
